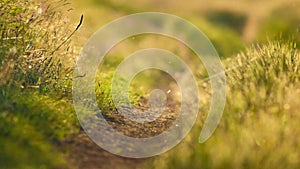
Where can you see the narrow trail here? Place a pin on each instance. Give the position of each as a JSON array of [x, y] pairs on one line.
[[85, 154], [82, 152]]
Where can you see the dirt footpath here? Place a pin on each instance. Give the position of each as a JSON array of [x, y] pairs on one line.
[[83, 153]]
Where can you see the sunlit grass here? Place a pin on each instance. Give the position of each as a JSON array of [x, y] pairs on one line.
[[32, 125], [259, 125], [32, 62]]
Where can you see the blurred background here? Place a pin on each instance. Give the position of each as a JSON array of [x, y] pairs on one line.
[[230, 24]]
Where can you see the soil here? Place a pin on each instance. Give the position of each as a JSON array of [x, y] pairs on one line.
[[83, 153]]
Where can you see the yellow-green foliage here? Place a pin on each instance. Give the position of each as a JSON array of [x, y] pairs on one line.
[[104, 95], [30, 36], [31, 124], [31, 58], [259, 128]]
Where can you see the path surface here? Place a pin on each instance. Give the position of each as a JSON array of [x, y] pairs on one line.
[[83, 153]]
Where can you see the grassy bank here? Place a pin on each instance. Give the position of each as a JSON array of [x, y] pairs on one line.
[[259, 125], [35, 66], [32, 127]]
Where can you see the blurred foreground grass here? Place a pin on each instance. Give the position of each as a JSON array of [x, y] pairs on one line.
[[32, 126]]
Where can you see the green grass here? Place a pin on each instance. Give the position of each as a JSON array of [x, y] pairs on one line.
[[32, 125], [36, 57], [35, 114], [104, 95], [259, 125]]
